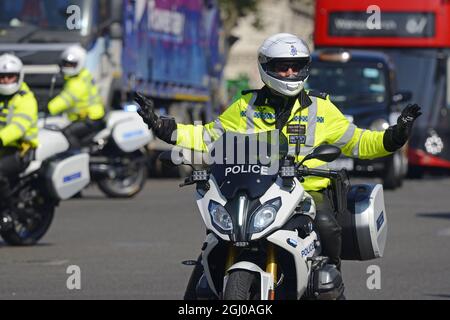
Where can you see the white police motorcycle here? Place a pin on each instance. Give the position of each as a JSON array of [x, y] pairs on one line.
[[54, 174], [117, 153], [261, 242]]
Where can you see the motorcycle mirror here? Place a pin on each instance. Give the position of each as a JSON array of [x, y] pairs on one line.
[[325, 153]]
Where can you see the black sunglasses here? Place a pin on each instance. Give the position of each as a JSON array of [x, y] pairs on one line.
[[285, 66], [8, 75], [65, 63]]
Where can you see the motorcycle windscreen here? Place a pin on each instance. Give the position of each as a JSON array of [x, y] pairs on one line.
[[247, 162]]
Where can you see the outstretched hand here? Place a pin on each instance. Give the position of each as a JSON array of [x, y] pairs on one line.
[[405, 122], [146, 110], [409, 115]]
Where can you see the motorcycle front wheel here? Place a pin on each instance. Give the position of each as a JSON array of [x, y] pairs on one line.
[[242, 285], [29, 226]]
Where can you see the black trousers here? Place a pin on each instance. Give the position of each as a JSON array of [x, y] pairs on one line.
[[11, 165], [81, 129], [330, 232]]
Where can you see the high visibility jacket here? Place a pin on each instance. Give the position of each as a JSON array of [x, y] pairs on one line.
[[18, 119], [80, 98], [314, 120]]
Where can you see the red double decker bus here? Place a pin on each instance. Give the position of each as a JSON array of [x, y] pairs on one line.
[[416, 36]]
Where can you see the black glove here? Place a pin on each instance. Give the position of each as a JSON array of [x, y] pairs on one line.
[[162, 127], [147, 111], [406, 120], [1, 143], [396, 137]]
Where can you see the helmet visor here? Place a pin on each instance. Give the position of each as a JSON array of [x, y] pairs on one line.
[[68, 64], [9, 78], [288, 69]]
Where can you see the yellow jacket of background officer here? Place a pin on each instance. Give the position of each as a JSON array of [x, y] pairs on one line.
[[80, 98]]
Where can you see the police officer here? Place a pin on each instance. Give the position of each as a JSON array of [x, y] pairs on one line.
[[80, 97], [18, 123], [310, 117]]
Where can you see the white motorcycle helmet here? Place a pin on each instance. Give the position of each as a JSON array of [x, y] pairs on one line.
[[279, 53], [11, 65], [73, 60]]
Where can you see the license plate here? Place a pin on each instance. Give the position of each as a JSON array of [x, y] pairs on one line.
[[339, 164]]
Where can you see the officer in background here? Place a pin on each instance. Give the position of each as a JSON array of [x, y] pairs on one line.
[[308, 117], [80, 97], [18, 123]]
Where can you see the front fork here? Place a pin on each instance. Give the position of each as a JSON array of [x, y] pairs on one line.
[[271, 264], [272, 268]]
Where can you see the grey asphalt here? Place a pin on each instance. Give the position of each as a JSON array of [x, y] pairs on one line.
[[132, 249]]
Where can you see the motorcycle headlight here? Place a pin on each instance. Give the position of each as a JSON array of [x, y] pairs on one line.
[[379, 125], [265, 215], [130, 107], [220, 217]]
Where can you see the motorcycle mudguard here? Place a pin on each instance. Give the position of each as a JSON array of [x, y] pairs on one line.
[[266, 278], [68, 176]]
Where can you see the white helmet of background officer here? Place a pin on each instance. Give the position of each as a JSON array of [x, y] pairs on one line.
[[278, 53], [73, 60], [10, 65]]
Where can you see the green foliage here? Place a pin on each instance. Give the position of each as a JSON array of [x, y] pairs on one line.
[[236, 86]]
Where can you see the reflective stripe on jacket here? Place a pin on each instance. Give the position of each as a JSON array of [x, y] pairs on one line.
[[18, 119], [320, 121], [80, 98]]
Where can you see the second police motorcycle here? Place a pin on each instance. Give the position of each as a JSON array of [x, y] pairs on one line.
[[117, 152], [55, 173]]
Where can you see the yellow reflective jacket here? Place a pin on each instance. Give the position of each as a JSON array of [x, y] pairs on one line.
[[18, 119], [80, 98], [314, 120]]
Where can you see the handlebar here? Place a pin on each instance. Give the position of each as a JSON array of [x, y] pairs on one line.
[[305, 171], [301, 171]]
